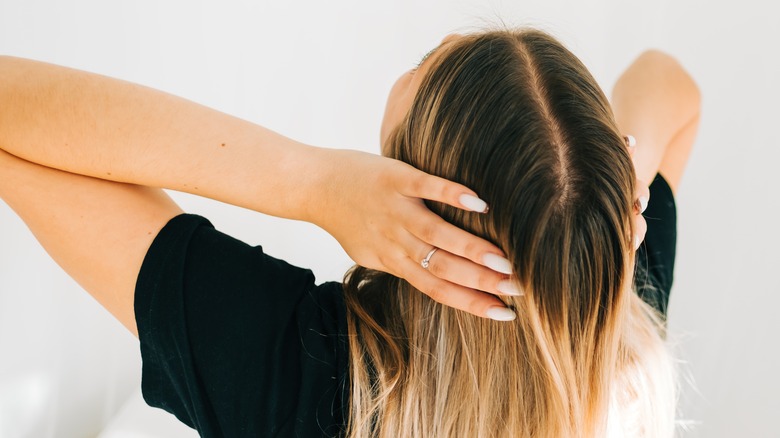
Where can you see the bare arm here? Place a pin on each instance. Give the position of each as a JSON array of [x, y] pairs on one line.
[[106, 128], [657, 101], [100, 132], [98, 231]]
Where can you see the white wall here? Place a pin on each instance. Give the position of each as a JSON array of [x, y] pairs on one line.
[[319, 72]]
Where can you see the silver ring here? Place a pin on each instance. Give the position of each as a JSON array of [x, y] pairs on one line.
[[427, 260]]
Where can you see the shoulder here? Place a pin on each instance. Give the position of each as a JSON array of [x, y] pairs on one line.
[[234, 338]]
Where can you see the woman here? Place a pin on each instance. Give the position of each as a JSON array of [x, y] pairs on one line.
[[553, 341]]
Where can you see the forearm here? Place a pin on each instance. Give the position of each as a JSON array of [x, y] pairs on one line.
[[111, 129], [96, 126], [654, 100]]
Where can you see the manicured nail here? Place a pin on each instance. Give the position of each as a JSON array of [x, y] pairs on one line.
[[637, 242], [500, 314], [630, 140], [508, 287], [473, 203], [643, 203], [497, 263]]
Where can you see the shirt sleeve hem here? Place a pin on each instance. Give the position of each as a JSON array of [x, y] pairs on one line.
[[164, 256]]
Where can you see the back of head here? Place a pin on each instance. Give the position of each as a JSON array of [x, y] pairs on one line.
[[516, 117]]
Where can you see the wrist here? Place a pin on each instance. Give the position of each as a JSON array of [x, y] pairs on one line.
[[306, 175]]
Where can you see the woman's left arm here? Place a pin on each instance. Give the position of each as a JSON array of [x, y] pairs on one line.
[[108, 129]]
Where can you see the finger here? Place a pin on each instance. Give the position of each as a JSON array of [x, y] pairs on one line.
[[464, 272], [469, 300], [640, 230], [432, 229], [630, 143], [434, 188], [642, 197]]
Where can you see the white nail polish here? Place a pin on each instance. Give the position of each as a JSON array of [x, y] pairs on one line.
[[508, 287], [497, 263], [473, 203], [643, 203], [500, 314], [637, 242]]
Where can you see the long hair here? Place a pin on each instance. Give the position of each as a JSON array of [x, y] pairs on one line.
[[517, 117]]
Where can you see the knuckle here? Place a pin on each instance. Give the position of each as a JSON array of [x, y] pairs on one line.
[[475, 307], [383, 259], [438, 266], [428, 232], [435, 293], [417, 184], [445, 190], [471, 249], [386, 179], [388, 260], [387, 234], [487, 283]]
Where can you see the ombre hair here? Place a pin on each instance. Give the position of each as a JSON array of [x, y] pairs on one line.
[[519, 119]]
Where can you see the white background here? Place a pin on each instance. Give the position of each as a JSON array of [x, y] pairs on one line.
[[319, 71]]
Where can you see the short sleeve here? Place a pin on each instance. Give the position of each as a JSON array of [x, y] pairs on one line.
[[235, 342], [655, 257]]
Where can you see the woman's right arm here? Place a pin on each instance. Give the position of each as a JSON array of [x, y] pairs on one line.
[[657, 102], [95, 126]]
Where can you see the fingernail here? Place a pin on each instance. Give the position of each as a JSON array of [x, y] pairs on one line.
[[497, 263], [630, 140], [643, 203], [473, 203], [637, 242], [508, 287], [500, 314]]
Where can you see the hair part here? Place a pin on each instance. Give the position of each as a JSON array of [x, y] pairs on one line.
[[515, 116]]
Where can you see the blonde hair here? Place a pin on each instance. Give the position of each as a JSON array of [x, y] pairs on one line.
[[518, 118]]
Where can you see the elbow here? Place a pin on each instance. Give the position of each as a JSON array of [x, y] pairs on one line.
[[5, 60], [676, 78]]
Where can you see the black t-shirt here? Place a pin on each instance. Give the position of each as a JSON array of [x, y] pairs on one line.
[[236, 343], [655, 257]]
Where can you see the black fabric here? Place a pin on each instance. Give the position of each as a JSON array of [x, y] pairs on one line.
[[655, 257], [236, 343]]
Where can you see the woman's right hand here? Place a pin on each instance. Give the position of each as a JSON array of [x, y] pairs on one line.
[[374, 207]]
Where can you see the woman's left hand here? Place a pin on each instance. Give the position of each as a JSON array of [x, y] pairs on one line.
[[642, 199], [374, 207]]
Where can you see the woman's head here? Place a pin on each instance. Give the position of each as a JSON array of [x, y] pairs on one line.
[[499, 110], [516, 117]]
